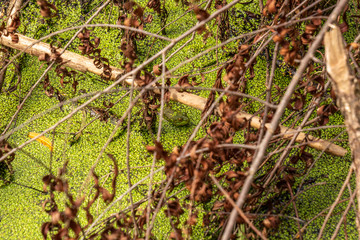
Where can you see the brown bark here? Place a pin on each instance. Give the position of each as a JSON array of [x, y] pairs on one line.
[[348, 95], [84, 64]]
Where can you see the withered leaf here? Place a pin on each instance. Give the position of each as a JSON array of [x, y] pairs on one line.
[[45, 8], [139, 12], [75, 227], [271, 6], [107, 197], [271, 222], [192, 219], [129, 5], [201, 14], [310, 28], [157, 70], [217, 205]]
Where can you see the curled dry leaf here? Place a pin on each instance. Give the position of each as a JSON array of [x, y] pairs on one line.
[[128, 51], [184, 83], [176, 234], [270, 7], [192, 219], [46, 9], [174, 209], [271, 222], [324, 112], [129, 5], [310, 28], [344, 26], [157, 69], [139, 12], [306, 38], [148, 19], [281, 33], [155, 4], [201, 14], [271, 4]]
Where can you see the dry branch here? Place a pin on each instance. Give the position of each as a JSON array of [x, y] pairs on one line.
[[84, 64], [72, 60], [348, 93]]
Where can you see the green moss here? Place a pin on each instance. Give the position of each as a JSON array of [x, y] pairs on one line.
[[21, 213]]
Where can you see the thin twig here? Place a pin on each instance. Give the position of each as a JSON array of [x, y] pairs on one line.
[[343, 216], [342, 189]]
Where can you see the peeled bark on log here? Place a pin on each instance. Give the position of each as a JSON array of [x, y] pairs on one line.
[[84, 64]]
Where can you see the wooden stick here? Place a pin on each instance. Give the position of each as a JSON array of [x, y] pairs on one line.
[[72, 60], [84, 64]]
